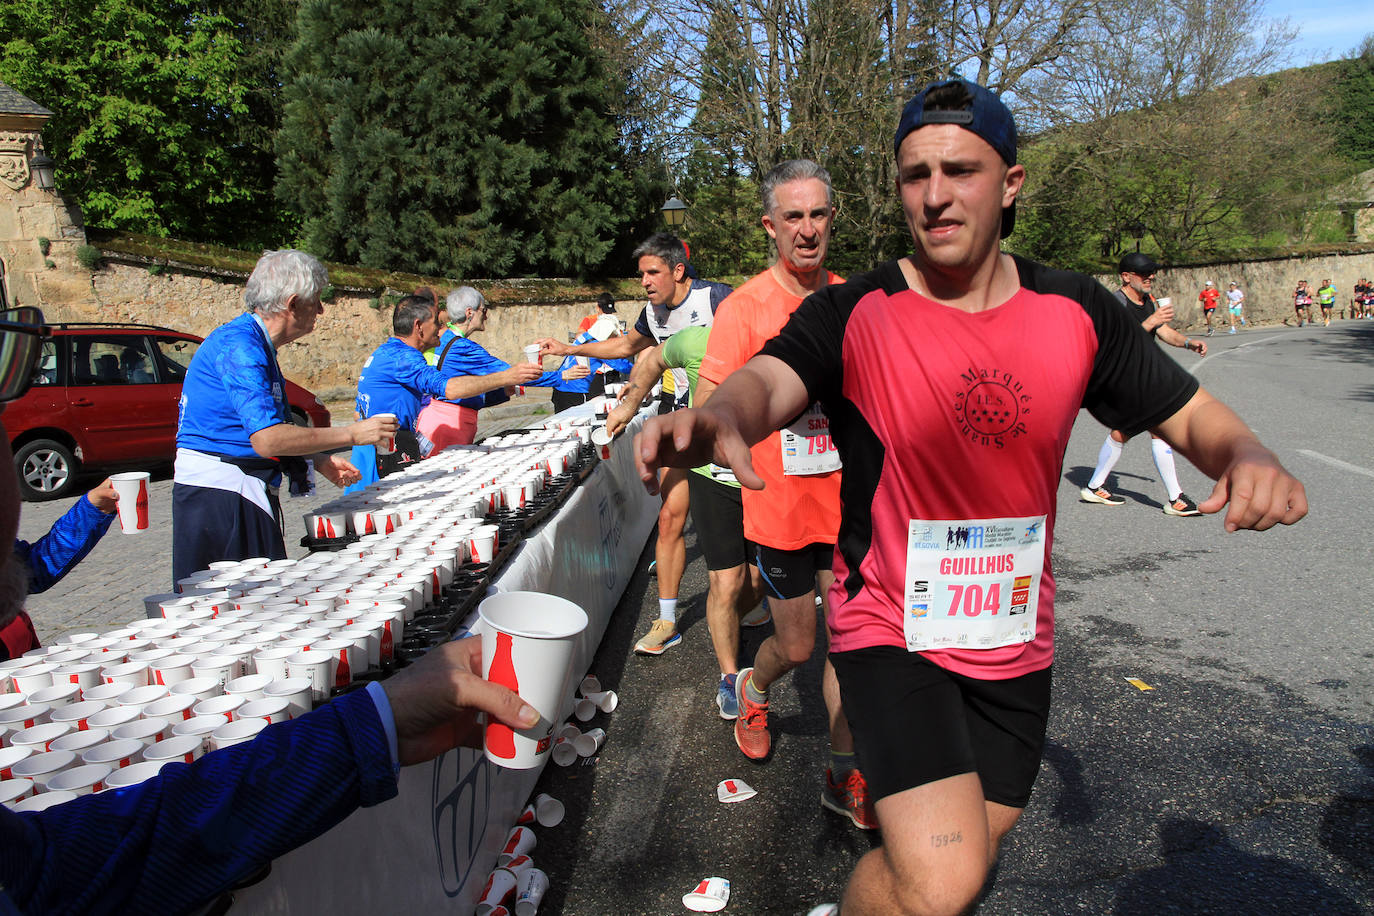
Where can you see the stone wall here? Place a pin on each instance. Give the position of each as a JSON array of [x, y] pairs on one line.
[[327, 361], [28, 215], [1268, 284]]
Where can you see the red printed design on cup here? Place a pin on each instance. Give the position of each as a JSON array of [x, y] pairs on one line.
[[500, 737], [142, 505], [342, 675]]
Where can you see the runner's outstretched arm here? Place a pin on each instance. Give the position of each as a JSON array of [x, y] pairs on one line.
[[1261, 492], [759, 397]]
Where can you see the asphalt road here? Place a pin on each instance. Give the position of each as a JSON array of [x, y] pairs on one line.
[[1243, 782]]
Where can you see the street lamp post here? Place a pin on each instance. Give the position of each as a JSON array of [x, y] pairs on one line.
[[674, 213]]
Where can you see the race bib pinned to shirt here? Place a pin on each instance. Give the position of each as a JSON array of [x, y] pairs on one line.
[[972, 584], [807, 448]]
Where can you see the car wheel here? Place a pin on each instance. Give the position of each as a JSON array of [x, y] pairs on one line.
[[46, 469], [300, 417]]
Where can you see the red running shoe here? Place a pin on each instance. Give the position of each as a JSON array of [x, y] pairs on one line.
[[849, 798], [751, 728]]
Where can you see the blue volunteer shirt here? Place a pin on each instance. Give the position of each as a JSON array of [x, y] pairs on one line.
[[468, 357], [394, 380], [233, 389], [583, 385]]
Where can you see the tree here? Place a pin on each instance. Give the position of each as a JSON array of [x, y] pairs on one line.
[[466, 138], [147, 98]]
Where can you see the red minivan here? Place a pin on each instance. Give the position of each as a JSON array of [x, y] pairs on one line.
[[105, 396]]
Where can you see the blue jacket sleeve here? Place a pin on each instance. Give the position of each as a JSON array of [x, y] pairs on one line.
[[172, 843], [66, 544]]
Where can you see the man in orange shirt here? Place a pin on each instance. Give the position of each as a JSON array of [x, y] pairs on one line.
[[795, 520], [1208, 297]]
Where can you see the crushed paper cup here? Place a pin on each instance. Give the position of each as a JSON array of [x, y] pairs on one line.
[[709, 896], [735, 790]]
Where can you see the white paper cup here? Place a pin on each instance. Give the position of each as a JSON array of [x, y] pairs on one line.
[[202, 688], [42, 801], [200, 727], [388, 445], [315, 665], [519, 842], [601, 438], [132, 488], [709, 896], [77, 714], [532, 354], [133, 674], [218, 706], [269, 709], [9, 756], [530, 891], [40, 736], [32, 678], [182, 748], [176, 707], [141, 697], [108, 694], [148, 731], [482, 543], [250, 686], [83, 780], [26, 716], [297, 691], [237, 732], [349, 660], [13, 791], [80, 742], [133, 774], [588, 743], [499, 887], [219, 667], [43, 767], [172, 669], [113, 717], [58, 695], [327, 525], [83, 674]]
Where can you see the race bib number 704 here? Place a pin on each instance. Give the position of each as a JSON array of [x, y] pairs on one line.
[[972, 584]]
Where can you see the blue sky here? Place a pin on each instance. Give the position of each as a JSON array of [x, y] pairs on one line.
[[1329, 28]]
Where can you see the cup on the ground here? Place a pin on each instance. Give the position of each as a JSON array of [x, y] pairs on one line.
[[709, 896], [132, 487], [519, 842], [500, 887], [588, 743], [530, 891], [527, 645]]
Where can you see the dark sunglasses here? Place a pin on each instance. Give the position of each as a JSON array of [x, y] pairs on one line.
[[21, 340]]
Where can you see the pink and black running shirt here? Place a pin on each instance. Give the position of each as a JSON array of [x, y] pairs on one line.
[[941, 414]]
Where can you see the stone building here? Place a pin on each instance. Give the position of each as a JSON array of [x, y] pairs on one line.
[[39, 232]]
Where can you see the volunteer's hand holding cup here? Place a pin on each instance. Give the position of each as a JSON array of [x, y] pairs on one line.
[[374, 429], [436, 700]]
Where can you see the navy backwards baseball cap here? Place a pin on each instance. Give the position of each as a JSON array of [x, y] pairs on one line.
[[983, 113]]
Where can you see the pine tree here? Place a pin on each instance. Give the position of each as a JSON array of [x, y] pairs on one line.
[[458, 138]]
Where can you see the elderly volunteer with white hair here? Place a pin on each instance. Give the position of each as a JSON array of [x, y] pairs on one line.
[[235, 438]]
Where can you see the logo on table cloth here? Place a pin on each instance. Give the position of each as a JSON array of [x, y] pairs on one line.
[[992, 407]]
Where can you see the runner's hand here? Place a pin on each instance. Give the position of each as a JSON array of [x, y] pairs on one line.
[[550, 347], [573, 373], [689, 439], [1261, 493]]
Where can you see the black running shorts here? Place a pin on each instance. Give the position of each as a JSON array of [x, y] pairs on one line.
[[792, 573], [718, 516], [914, 723]]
